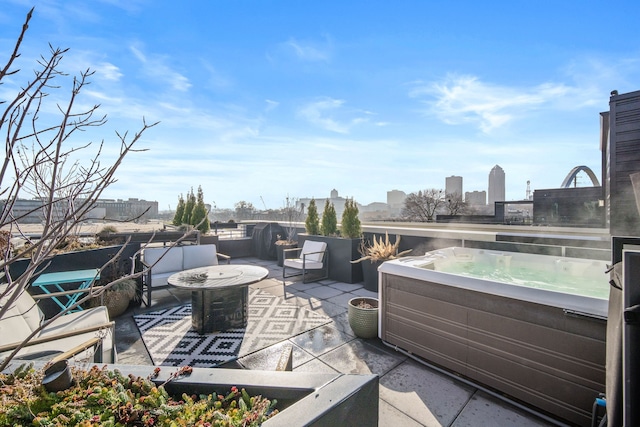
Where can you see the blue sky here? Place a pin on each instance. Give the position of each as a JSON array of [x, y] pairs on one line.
[[258, 100]]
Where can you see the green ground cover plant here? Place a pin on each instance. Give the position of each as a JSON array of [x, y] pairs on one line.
[[104, 397]]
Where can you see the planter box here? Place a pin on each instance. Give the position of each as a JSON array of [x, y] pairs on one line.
[[164, 236], [304, 399], [236, 248], [341, 252], [280, 252], [370, 274]]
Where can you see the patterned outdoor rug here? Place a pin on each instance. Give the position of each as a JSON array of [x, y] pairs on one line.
[[171, 341]]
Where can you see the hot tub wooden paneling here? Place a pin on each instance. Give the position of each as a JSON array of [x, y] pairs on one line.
[[532, 352]]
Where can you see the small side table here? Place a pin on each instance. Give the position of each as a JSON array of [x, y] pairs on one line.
[[52, 282]]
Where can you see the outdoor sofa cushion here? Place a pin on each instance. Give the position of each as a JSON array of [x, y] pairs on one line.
[[177, 258]]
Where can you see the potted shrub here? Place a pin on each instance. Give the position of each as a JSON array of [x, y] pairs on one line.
[[350, 227], [312, 223], [281, 245], [363, 316], [329, 224], [118, 296], [121, 291], [376, 253]]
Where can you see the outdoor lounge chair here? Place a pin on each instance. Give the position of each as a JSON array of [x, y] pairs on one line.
[[86, 333], [313, 257]]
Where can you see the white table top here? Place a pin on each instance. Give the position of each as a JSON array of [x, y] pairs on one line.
[[218, 276]]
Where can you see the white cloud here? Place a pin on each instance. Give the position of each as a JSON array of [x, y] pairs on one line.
[[108, 71], [271, 105], [308, 51], [305, 51], [319, 114], [459, 99], [156, 68], [329, 114], [466, 99]]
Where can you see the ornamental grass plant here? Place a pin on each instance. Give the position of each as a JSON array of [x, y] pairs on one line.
[[380, 250]]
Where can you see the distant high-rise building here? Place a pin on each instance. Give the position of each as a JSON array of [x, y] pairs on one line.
[[476, 198], [453, 185], [338, 203], [496, 185], [395, 201]]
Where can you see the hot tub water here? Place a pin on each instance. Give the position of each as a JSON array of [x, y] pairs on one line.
[[567, 275]]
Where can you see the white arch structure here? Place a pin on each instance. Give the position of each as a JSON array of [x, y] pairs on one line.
[[575, 171]]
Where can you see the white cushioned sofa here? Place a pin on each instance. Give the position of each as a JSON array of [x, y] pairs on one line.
[[162, 262]]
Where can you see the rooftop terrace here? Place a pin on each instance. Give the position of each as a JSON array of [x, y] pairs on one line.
[[411, 393]]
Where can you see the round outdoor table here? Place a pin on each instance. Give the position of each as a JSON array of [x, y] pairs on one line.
[[219, 294]]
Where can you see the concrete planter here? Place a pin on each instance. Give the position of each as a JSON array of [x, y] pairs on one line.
[[370, 274], [304, 399], [341, 252], [280, 252]]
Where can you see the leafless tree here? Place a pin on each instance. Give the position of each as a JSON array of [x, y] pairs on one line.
[[39, 163], [422, 206], [454, 204], [245, 210], [291, 214]]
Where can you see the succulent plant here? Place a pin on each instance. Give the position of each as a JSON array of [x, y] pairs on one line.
[[106, 397]]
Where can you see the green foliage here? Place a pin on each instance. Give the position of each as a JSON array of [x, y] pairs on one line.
[[190, 204], [177, 218], [350, 226], [312, 223], [329, 226], [200, 214], [108, 229], [106, 397]]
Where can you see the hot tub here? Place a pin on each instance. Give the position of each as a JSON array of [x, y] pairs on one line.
[[539, 341]]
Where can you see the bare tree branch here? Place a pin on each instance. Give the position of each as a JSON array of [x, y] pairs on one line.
[[422, 206], [39, 165]]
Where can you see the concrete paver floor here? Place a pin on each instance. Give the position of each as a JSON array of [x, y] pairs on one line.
[[411, 394]]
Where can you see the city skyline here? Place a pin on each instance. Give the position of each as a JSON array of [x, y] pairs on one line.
[[258, 102]]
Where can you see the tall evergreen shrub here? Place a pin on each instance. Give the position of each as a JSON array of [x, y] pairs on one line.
[[312, 223], [350, 226], [177, 218], [329, 225], [188, 207], [200, 213]]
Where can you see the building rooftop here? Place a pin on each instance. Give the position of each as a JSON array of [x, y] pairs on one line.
[[411, 393]]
